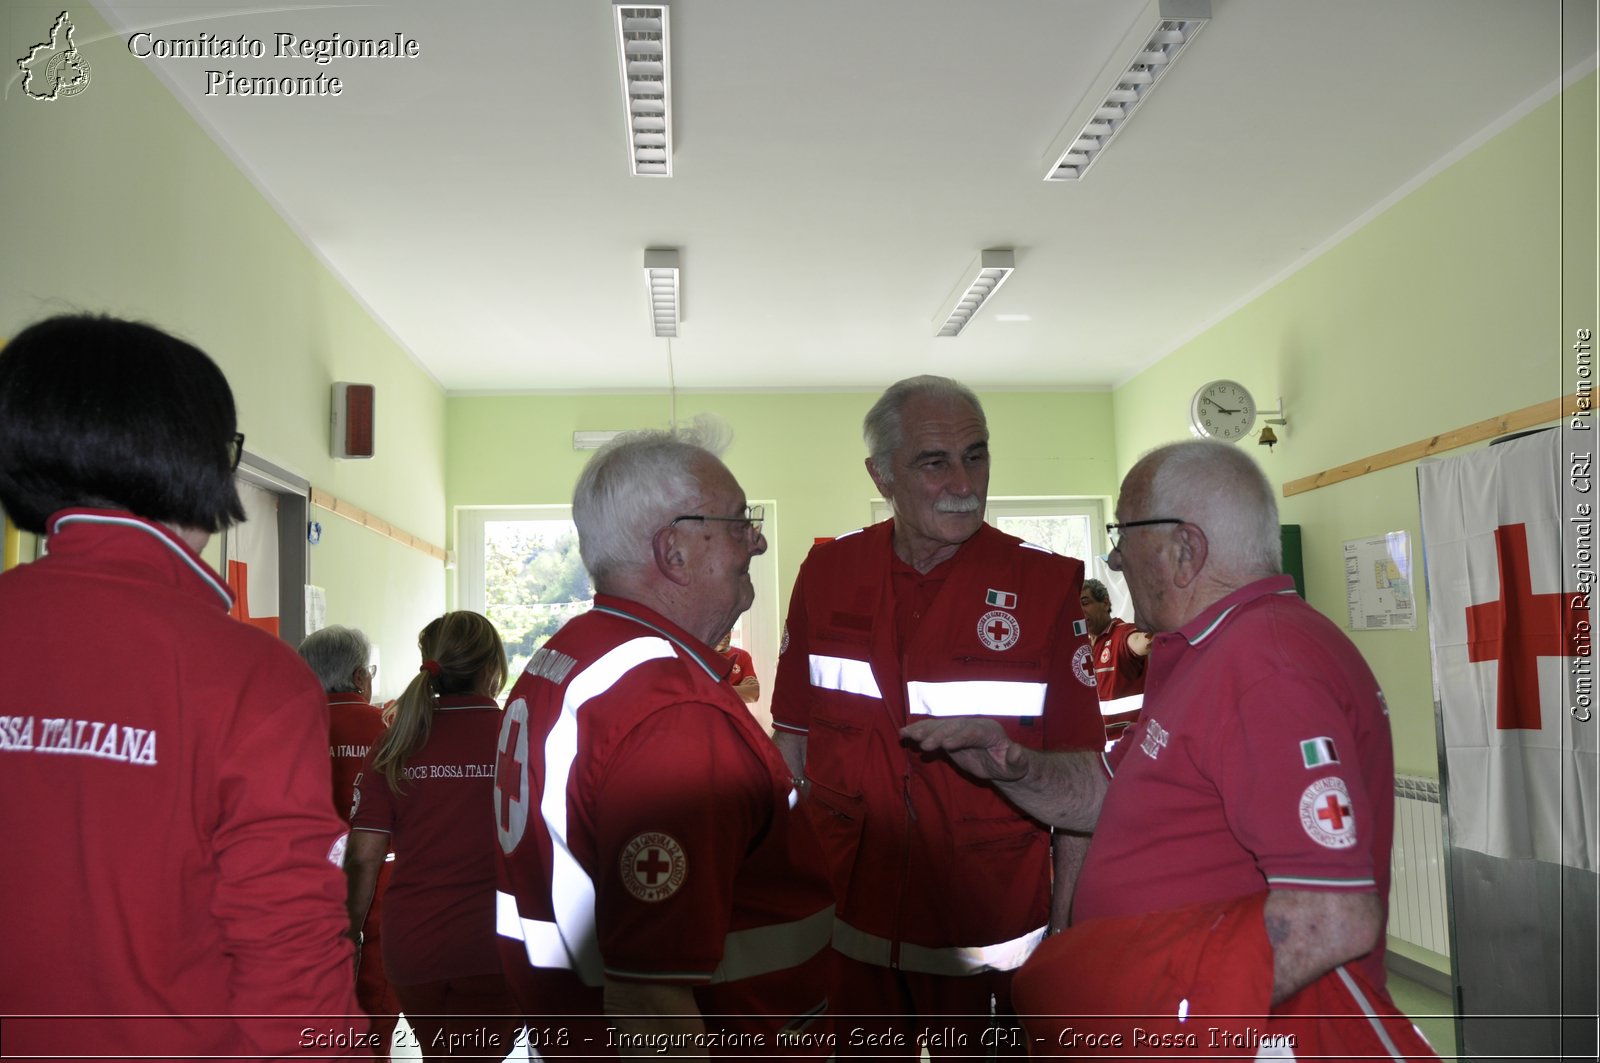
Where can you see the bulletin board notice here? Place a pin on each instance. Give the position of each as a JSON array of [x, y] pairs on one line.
[[1377, 576]]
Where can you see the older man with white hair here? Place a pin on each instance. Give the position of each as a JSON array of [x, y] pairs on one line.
[[944, 888], [1262, 762], [653, 861], [340, 658]]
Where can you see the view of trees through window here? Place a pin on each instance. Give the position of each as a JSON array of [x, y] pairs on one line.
[[1067, 534], [533, 582]]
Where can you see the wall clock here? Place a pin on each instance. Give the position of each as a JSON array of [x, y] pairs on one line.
[[1223, 410]]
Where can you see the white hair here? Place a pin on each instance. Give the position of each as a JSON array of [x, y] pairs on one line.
[[334, 654], [633, 486], [1220, 488], [882, 428]]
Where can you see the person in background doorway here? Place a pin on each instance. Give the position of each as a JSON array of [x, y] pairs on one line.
[[743, 677], [1120, 652], [426, 791], [339, 655]]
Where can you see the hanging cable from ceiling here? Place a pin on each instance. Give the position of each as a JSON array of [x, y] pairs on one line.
[[672, 388]]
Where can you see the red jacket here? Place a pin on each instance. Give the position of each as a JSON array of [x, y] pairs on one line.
[[168, 817], [648, 833]]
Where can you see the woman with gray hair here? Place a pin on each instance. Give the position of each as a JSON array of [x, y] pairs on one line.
[[339, 655]]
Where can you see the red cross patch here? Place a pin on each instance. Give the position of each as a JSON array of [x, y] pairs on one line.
[[653, 866], [998, 630], [1080, 665], [1327, 814]]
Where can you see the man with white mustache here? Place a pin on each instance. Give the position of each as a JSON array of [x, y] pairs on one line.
[[942, 887]]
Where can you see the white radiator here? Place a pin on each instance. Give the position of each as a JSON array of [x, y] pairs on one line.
[[1417, 909]]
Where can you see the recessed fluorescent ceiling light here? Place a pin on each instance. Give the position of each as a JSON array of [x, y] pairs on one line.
[[978, 284], [592, 440], [643, 58], [661, 285], [1149, 49]]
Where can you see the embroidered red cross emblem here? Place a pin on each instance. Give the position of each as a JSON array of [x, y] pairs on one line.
[[998, 630], [508, 773], [1333, 812], [1517, 630], [653, 867]]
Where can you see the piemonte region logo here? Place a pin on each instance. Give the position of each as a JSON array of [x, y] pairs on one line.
[[55, 69]]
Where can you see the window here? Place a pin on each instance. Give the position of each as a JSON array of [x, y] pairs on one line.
[[520, 567], [1071, 526]]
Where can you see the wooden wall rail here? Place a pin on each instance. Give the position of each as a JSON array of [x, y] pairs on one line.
[[355, 514], [1515, 421]]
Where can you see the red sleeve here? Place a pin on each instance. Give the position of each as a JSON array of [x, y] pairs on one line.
[[743, 666], [373, 807], [1299, 813], [684, 799], [791, 694], [1072, 707], [279, 899]]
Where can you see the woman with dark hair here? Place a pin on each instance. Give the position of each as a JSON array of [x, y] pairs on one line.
[[165, 810], [427, 792]]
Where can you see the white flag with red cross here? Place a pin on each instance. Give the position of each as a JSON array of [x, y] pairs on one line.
[[252, 559], [1508, 541]]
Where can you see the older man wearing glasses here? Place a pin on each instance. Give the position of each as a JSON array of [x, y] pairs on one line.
[[653, 860], [943, 887], [1251, 804]]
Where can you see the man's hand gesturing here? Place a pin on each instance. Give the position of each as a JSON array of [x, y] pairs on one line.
[[976, 745]]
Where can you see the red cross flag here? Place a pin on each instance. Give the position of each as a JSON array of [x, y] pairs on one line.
[[253, 559], [1508, 539]]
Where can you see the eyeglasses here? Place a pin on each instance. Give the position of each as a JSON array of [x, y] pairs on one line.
[[751, 519], [235, 450], [1114, 531]]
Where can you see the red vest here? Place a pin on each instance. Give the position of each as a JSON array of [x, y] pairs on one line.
[[1119, 675], [933, 871]]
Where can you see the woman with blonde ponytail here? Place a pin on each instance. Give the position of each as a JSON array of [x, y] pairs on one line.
[[427, 792]]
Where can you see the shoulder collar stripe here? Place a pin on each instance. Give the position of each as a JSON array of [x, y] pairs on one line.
[[1209, 628], [130, 522], [669, 636]]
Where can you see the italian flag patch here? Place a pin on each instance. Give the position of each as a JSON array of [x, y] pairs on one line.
[[1001, 599], [1318, 751]]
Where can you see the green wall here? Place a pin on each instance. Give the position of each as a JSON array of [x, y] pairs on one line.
[[802, 450], [1444, 310], [116, 201], [1457, 303]]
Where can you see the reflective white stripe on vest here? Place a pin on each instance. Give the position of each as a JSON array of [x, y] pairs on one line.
[[571, 890], [765, 949], [541, 938], [1117, 706], [845, 674], [975, 697], [954, 961]]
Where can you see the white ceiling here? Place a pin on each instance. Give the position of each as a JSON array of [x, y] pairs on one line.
[[837, 164]]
